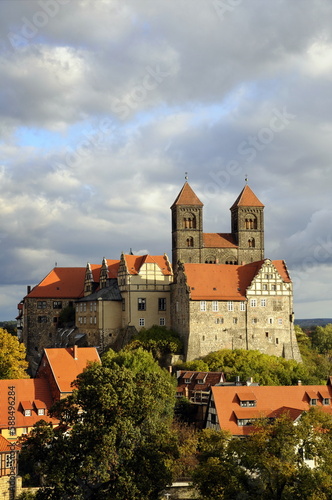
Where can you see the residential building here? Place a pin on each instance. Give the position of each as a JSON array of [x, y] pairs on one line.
[[60, 367], [196, 386], [235, 409]]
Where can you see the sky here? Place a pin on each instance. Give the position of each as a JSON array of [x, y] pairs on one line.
[[106, 104]]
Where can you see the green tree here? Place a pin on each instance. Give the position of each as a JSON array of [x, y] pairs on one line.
[[321, 339], [270, 463], [264, 369], [158, 340], [12, 357], [120, 444]]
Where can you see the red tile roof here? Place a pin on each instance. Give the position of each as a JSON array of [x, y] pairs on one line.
[[271, 401], [219, 240], [187, 197], [135, 262], [113, 267], [208, 378], [65, 367], [61, 282], [5, 445], [225, 281], [247, 198], [26, 391]]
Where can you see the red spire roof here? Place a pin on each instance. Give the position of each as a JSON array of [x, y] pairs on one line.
[[247, 198], [187, 197]]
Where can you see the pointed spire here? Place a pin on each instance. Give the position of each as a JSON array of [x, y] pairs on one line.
[[247, 198], [187, 197]]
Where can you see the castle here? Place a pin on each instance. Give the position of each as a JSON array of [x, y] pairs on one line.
[[218, 293]]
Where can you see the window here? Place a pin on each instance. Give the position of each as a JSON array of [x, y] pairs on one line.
[[141, 305], [90, 320], [230, 306], [219, 320], [95, 320], [141, 322], [244, 421], [251, 243], [27, 413], [55, 319], [277, 340], [203, 305], [91, 306], [41, 304], [253, 302], [9, 460], [267, 335], [215, 306], [313, 402], [162, 322], [270, 321], [273, 287], [12, 431], [190, 241], [279, 321], [57, 304], [84, 307], [263, 302], [264, 287], [248, 403], [24, 430], [242, 306], [213, 419], [326, 401], [254, 320], [235, 321], [41, 411], [95, 306], [162, 304], [42, 319], [84, 320]]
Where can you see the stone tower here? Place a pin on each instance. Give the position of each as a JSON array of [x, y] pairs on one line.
[[248, 226], [187, 227], [243, 245]]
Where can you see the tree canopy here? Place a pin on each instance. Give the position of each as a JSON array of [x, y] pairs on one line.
[[264, 369], [270, 463], [158, 340], [12, 357], [119, 444]]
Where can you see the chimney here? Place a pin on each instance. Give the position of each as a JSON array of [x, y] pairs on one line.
[[75, 351], [28, 289], [299, 382]]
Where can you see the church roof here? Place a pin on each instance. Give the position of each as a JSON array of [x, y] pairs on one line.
[[219, 240], [187, 197], [247, 198]]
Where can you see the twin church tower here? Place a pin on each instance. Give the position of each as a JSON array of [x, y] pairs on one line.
[[243, 245]]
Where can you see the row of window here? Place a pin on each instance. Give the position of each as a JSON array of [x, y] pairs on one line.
[[162, 322], [215, 306], [141, 304], [82, 319], [42, 304], [82, 307]]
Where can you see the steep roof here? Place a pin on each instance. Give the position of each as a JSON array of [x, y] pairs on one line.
[[135, 262], [247, 198], [187, 197], [61, 282], [219, 240], [27, 391], [199, 381], [67, 363], [224, 281], [271, 402]]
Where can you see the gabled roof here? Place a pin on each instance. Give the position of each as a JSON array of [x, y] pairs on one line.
[[271, 402], [208, 378], [219, 240], [247, 198], [67, 363], [135, 262], [224, 281], [187, 197], [26, 392], [6, 446], [61, 282]]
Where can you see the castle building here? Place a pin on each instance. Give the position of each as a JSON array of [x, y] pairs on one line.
[[224, 294]]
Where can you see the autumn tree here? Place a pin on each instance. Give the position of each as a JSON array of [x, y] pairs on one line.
[[119, 445], [12, 357]]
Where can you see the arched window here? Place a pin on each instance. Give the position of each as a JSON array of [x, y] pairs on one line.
[[189, 221], [210, 259], [190, 241], [251, 243], [251, 222]]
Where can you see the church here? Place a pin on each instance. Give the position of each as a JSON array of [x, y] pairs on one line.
[[220, 292]]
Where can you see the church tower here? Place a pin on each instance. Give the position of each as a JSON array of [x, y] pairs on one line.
[[187, 227], [247, 215]]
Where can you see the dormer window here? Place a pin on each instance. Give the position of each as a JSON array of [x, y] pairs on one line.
[[247, 400], [313, 397], [27, 413], [40, 407]]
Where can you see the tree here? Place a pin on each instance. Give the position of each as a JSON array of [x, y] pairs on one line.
[[120, 444], [265, 369], [12, 357], [270, 463], [158, 340], [321, 339]]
